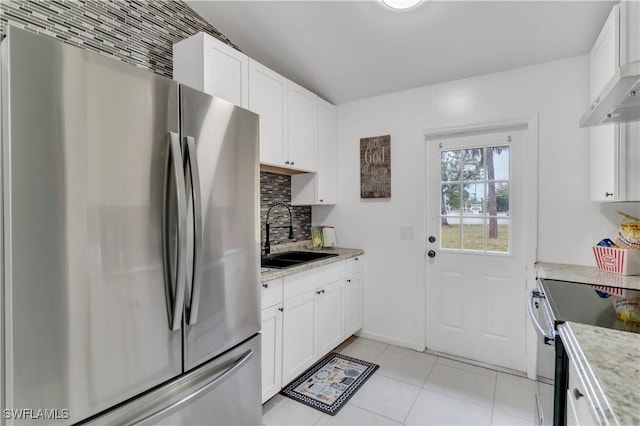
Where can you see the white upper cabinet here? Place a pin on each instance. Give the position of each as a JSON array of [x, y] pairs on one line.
[[615, 68], [287, 119], [268, 98], [605, 54], [209, 65], [320, 188], [630, 30], [303, 121], [615, 162], [615, 151]]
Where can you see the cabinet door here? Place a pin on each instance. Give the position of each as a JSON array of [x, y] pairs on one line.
[[353, 304], [271, 351], [268, 98], [605, 163], [330, 317], [320, 188], [630, 161], [327, 151], [605, 54], [212, 66], [629, 32], [298, 335], [302, 122], [226, 72]]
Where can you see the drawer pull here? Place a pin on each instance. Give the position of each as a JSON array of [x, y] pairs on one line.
[[577, 394]]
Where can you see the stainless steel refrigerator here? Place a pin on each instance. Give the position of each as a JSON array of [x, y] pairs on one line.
[[130, 245]]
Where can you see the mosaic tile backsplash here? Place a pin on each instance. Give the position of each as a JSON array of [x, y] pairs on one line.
[[137, 32], [142, 33], [275, 188]]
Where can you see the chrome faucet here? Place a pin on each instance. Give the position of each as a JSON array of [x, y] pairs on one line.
[[267, 244]]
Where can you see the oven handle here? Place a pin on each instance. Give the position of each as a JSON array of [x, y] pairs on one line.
[[535, 294]]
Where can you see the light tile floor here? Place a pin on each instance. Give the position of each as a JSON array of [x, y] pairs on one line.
[[415, 388]]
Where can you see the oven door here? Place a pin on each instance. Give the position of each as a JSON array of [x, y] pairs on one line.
[[539, 311]]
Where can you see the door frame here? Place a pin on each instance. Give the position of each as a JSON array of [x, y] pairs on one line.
[[530, 170]]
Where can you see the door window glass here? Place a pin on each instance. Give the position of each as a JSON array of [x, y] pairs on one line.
[[474, 199]]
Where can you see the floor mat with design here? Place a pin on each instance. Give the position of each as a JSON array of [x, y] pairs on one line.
[[328, 384]]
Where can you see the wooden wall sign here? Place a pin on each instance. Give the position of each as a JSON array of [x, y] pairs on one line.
[[375, 167]]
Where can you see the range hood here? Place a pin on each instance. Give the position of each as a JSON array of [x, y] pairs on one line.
[[619, 101]]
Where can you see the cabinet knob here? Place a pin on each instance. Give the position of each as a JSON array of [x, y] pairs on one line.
[[292, 163], [608, 194], [321, 200], [281, 309], [348, 281], [356, 259], [432, 239], [577, 394], [265, 285], [431, 253], [287, 162]]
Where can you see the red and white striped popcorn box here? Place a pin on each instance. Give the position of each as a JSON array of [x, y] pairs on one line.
[[618, 261]]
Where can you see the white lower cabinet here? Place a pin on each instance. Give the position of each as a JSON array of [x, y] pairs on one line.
[[308, 314], [329, 320], [271, 338], [271, 351], [298, 342], [354, 295], [578, 400]]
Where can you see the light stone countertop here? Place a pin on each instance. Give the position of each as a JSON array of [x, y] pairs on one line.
[[608, 362], [586, 274], [343, 253]]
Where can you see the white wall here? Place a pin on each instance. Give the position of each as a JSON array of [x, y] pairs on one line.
[[568, 225]]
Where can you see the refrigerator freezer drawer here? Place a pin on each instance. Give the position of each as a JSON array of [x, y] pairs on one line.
[[225, 391]]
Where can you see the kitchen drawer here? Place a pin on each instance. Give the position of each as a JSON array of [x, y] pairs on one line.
[[578, 403], [302, 282], [355, 265], [271, 293]]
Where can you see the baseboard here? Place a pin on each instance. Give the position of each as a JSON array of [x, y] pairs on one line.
[[387, 339]]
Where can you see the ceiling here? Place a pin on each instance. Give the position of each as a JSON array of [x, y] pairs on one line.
[[349, 50]]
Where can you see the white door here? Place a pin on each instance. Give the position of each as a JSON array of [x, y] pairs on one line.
[[476, 215], [298, 339], [268, 98], [271, 351], [302, 127], [329, 317]]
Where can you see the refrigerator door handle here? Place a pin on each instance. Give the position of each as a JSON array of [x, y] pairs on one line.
[[175, 301], [197, 225], [154, 417]]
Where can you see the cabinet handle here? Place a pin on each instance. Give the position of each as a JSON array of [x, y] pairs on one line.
[[348, 281], [321, 200], [608, 194], [356, 259], [292, 163], [577, 394], [287, 162], [265, 285], [281, 309], [320, 292]]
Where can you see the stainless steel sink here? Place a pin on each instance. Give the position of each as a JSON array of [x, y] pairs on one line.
[[292, 258]]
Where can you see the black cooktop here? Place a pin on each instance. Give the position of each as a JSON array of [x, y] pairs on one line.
[[579, 302]]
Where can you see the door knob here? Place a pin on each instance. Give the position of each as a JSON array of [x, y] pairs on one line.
[[431, 253], [432, 239]]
